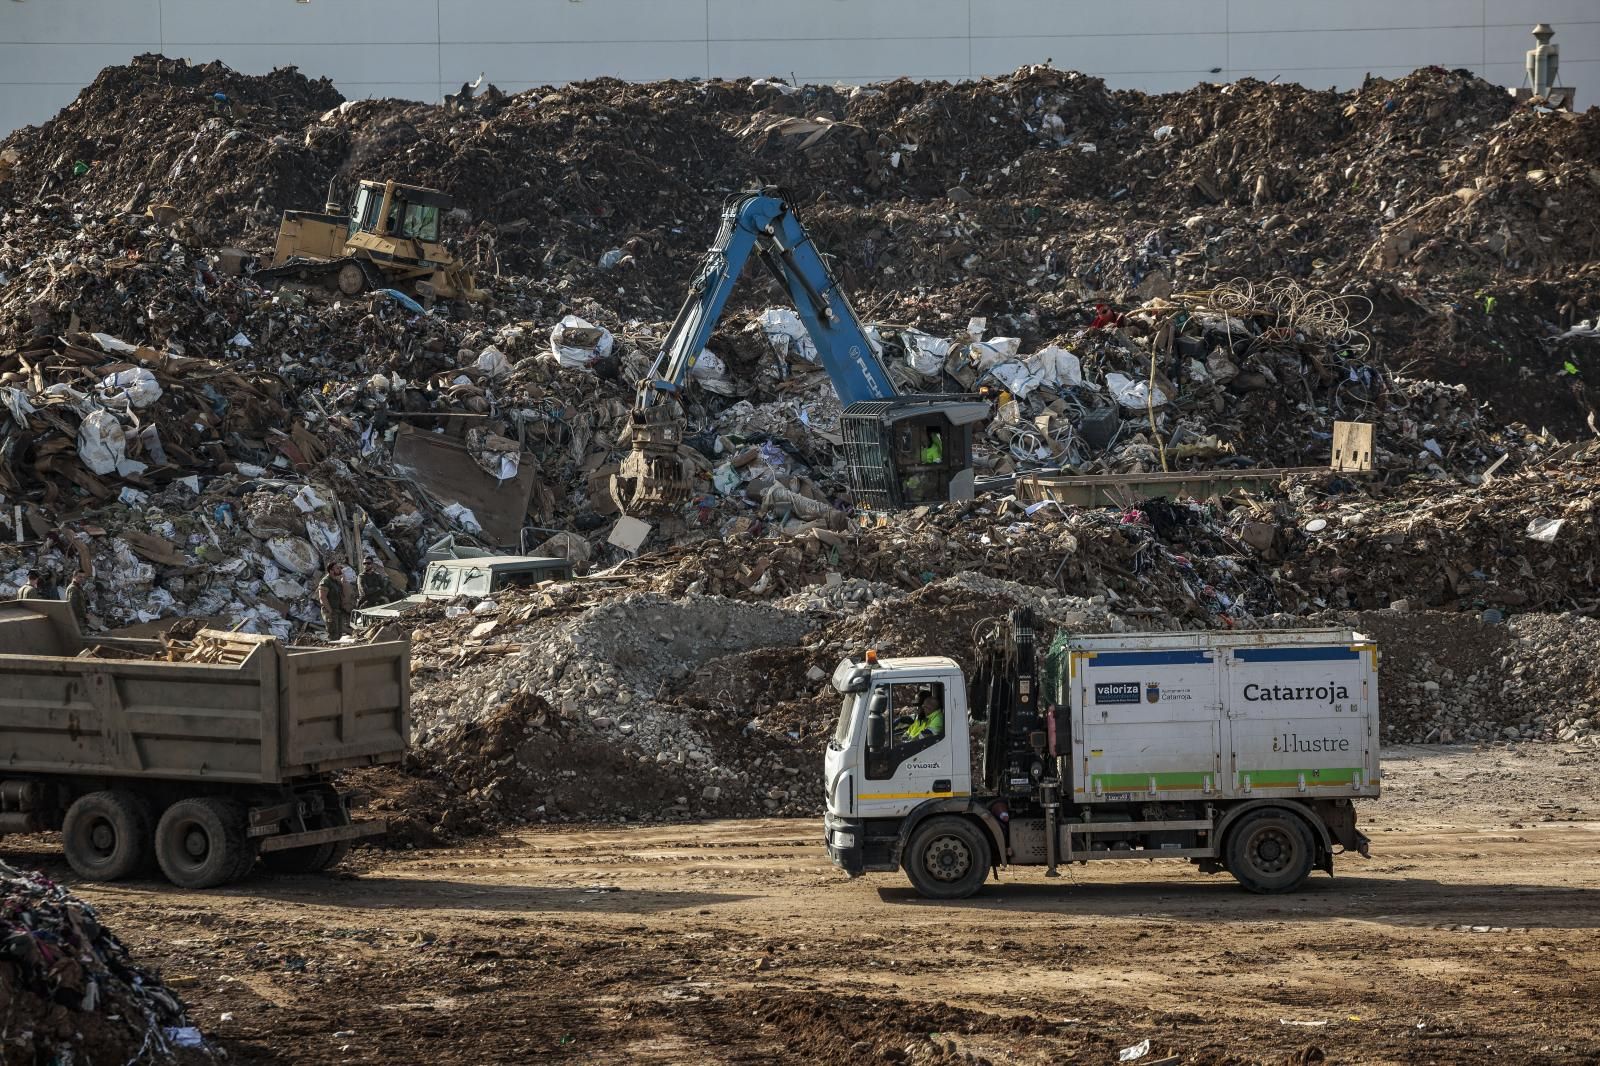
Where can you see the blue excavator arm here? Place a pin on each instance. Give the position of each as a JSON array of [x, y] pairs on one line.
[[766, 225], [883, 428]]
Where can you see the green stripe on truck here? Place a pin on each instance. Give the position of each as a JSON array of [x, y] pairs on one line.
[[1339, 775]]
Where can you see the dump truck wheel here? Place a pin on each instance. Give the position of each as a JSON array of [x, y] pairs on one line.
[[201, 843], [107, 835], [317, 857], [1270, 851], [341, 849], [299, 860], [947, 858], [247, 858]]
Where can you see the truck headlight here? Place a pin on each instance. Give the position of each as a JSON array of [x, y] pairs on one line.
[[843, 840]]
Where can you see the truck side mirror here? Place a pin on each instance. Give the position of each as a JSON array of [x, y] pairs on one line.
[[878, 722]]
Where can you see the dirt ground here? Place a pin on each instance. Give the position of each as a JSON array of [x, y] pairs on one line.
[[1468, 937]]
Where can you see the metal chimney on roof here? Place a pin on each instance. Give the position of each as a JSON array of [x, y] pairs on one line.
[[1544, 61]]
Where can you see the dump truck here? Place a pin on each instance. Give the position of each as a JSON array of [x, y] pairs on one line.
[[1237, 751], [389, 240], [197, 766]]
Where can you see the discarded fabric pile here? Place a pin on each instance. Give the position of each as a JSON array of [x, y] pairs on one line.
[[70, 992]]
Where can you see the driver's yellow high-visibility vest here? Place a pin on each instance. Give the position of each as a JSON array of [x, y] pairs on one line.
[[933, 724]]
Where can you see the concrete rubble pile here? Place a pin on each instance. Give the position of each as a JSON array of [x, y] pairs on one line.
[[550, 706], [1452, 680], [70, 991]]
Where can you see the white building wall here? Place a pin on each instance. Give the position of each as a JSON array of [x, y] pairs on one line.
[[420, 49]]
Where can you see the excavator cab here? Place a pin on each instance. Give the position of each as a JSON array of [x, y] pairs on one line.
[[910, 450]]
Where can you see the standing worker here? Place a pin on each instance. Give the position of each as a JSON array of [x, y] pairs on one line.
[[374, 584], [76, 599], [331, 598], [30, 589]]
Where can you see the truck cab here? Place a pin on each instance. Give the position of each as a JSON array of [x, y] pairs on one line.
[[880, 766], [1238, 751]]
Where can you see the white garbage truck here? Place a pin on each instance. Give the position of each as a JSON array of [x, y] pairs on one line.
[[1241, 751]]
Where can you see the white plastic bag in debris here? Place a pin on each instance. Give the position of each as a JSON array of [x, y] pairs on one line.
[[991, 353], [325, 535], [293, 554], [493, 362], [17, 403], [1018, 378], [114, 345], [463, 518], [1063, 369], [103, 446], [580, 344], [712, 373], [1050, 367], [787, 334], [1134, 395], [925, 353], [137, 385]]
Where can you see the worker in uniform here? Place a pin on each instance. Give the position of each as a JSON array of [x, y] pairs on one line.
[[924, 483], [374, 584], [929, 721], [32, 588], [331, 598], [77, 600]]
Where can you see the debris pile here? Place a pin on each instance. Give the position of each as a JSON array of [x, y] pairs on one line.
[[1450, 679], [69, 991], [558, 717], [644, 706], [1026, 198]]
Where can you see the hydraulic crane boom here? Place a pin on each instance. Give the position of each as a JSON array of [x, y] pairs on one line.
[[766, 225]]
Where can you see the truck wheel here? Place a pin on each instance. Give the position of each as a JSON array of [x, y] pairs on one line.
[[201, 843], [1270, 851], [947, 858], [306, 860], [106, 835]]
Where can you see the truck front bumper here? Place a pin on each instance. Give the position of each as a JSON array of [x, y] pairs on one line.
[[845, 841]]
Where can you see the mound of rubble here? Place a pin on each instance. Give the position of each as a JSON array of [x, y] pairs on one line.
[[1025, 198], [647, 707], [70, 992], [1452, 680]]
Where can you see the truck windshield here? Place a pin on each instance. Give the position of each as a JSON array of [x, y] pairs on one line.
[[841, 732]]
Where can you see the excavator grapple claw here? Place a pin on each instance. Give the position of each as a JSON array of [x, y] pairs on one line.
[[653, 476]]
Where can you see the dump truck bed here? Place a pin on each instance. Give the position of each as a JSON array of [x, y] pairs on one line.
[[253, 711]]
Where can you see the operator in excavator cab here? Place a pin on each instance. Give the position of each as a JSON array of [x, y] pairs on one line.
[[929, 720]]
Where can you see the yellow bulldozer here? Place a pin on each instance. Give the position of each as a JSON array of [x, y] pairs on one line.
[[390, 240]]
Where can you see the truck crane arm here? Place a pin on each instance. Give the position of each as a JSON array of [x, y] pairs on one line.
[[766, 225]]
